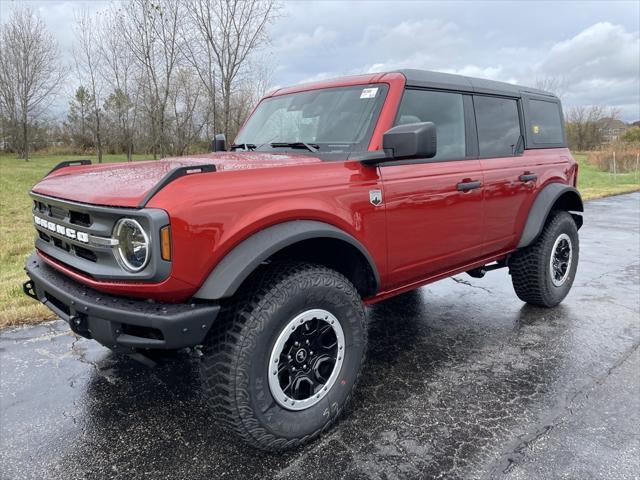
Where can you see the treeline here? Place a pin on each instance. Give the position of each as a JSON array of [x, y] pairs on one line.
[[159, 77], [153, 76], [587, 127]]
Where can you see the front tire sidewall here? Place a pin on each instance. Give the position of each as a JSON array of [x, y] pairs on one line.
[[301, 294]]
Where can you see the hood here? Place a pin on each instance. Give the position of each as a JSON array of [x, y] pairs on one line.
[[127, 184]]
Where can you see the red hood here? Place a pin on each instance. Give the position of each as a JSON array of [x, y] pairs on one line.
[[126, 184]]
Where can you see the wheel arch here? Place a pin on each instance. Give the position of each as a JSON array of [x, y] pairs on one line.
[[307, 240], [554, 196]]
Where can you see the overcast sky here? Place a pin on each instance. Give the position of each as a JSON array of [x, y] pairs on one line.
[[593, 46]]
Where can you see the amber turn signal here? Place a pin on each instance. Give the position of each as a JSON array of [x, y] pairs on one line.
[[165, 242]]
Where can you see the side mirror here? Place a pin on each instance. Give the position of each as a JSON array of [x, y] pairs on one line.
[[413, 140], [219, 143]]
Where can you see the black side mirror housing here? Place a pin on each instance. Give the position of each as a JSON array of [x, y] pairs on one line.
[[219, 143], [413, 140]]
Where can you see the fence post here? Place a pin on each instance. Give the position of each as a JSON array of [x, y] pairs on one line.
[[615, 170], [637, 161]]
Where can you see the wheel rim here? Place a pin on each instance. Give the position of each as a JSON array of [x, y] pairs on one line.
[[306, 359], [560, 262]]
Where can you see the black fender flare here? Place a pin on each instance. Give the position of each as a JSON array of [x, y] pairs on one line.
[[227, 276], [542, 205]]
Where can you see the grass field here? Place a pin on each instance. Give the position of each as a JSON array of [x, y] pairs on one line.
[[594, 183], [16, 231]]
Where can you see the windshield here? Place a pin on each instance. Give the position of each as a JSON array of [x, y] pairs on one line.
[[325, 120]]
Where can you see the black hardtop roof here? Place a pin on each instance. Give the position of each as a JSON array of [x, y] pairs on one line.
[[449, 81]]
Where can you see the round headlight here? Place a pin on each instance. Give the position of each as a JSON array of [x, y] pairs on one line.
[[132, 251]]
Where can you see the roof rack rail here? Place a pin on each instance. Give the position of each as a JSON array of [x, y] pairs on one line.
[[68, 163], [173, 175]]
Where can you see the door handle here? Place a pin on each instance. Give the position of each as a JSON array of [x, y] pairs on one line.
[[528, 177], [466, 186]]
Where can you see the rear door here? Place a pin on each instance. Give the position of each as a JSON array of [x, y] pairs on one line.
[[509, 178], [434, 206]]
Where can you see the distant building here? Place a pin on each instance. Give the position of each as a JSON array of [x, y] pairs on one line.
[[611, 129]]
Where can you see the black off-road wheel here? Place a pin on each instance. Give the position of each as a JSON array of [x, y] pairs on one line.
[[543, 273], [284, 357]]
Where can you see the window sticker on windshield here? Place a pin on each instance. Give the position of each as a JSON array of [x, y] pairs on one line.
[[536, 129], [369, 92]]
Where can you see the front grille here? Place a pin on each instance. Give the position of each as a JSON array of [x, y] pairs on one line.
[[56, 212], [61, 213], [61, 244], [64, 246], [78, 218], [74, 235], [85, 253]]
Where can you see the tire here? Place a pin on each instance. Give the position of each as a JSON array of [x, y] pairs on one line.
[[531, 270], [237, 355]]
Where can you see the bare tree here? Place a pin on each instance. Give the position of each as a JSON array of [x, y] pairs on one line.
[[554, 84], [30, 71], [188, 116], [118, 70], [200, 56], [158, 75], [87, 55], [585, 125], [248, 93], [80, 118], [151, 31], [231, 31]]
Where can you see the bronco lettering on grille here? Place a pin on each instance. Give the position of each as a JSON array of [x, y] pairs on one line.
[[62, 230]]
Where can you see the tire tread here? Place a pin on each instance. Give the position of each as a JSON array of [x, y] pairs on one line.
[[528, 265], [234, 333]]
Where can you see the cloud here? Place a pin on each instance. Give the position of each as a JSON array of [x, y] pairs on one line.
[[411, 36], [491, 73], [602, 49], [595, 50], [319, 38], [598, 63], [318, 77]]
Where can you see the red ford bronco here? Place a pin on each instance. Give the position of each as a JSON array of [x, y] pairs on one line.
[[334, 195]]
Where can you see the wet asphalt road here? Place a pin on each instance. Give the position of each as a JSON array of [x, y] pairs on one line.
[[462, 381]]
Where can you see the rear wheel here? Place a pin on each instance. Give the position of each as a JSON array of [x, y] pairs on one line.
[[543, 272], [284, 358]]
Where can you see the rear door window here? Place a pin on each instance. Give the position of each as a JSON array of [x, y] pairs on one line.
[[445, 110], [544, 122], [498, 123]]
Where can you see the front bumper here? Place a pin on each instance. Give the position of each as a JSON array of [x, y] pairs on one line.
[[120, 323]]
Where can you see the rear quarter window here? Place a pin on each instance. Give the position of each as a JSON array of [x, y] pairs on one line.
[[545, 122]]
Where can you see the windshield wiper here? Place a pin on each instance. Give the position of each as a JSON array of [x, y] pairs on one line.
[[244, 146], [312, 147]]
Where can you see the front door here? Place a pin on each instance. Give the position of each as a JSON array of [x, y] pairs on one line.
[[433, 206]]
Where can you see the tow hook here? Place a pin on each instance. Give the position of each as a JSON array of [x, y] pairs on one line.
[[196, 352], [80, 325], [29, 289]]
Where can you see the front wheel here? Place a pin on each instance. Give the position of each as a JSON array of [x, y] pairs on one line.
[[284, 359], [543, 272]]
